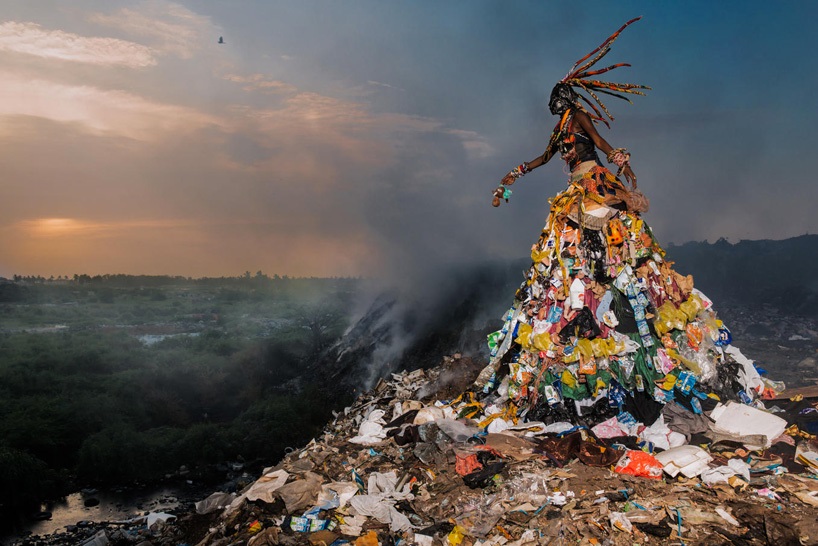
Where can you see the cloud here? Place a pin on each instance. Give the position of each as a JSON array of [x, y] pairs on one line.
[[309, 133], [32, 39], [262, 83], [171, 27], [476, 145], [98, 110], [381, 84]]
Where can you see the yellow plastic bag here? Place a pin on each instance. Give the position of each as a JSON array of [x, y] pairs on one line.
[[524, 335], [568, 379], [585, 349], [542, 342], [603, 348], [669, 318], [456, 536], [543, 256], [669, 383], [691, 307]]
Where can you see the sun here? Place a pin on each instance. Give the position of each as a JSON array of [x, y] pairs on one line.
[[54, 227]]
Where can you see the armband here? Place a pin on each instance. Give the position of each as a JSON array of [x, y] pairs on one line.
[[519, 171], [619, 157]]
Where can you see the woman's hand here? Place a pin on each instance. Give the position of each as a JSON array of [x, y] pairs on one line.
[[508, 179], [629, 175], [497, 196]]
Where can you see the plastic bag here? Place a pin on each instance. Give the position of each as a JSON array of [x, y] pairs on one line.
[[639, 463], [620, 521], [583, 326], [524, 335], [692, 307], [669, 318]]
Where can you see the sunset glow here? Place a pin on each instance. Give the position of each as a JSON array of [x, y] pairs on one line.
[[361, 143]]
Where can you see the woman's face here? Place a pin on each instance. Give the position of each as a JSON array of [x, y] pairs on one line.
[[560, 100], [558, 105]]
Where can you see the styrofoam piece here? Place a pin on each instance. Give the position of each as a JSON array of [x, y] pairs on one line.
[[742, 420], [687, 459]]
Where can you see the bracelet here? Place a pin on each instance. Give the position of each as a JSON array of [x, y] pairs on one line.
[[619, 157], [519, 171]]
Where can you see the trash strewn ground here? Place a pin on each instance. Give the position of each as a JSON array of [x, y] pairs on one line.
[[402, 466]]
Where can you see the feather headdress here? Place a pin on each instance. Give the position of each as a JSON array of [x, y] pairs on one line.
[[580, 77]]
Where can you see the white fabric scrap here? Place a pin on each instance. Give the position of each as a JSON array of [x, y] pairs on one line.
[[498, 425], [379, 503], [214, 502], [384, 483], [353, 525], [337, 491], [457, 430], [371, 431], [428, 415], [661, 436], [741, 468], [720, 474], [748, 376], [382, 509], [558, 427], [264, 487]]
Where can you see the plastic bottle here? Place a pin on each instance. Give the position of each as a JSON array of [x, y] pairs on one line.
[[577, 294]]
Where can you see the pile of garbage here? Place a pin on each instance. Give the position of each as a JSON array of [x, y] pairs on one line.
[[413, 462]]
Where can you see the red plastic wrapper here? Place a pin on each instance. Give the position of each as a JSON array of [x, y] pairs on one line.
[[639, 463], [466, 464]]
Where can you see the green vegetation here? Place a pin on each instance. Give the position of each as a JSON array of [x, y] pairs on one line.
[[105, 380]]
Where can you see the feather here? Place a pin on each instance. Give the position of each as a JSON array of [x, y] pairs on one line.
[[575, 71], [597, 116], [605, 45], [617, 95], [600, 71], [596, 98]]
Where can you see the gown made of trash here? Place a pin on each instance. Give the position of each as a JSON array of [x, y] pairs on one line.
[[603, 320]]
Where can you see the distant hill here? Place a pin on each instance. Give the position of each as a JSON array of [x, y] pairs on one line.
[[782, 274]]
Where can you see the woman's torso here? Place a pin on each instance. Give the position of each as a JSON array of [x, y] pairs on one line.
[[585, 149], [577, 147]]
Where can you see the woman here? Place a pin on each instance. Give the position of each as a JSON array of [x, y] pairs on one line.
[[601, 312], [579, 137], [575, 136]]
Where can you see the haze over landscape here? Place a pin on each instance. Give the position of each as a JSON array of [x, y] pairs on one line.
[[364, 138]]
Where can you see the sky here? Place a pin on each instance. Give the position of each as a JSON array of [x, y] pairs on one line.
[[364, 137]]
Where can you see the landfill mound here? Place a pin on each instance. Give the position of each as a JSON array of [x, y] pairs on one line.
[[402, 465]]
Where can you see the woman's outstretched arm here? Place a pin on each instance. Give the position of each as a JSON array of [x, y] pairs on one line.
[[517, 172]]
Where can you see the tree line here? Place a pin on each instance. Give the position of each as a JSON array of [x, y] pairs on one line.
[[93, 405]]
